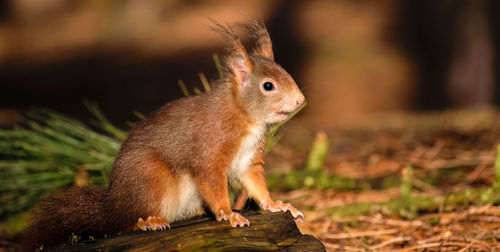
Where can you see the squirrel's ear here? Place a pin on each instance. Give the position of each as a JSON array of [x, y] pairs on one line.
[[238, 60], [257, 30], [240, 67]]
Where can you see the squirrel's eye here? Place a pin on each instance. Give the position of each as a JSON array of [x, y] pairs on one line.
[[268, 86]]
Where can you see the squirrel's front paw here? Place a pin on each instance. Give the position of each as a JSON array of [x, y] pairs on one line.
[[235, 219], [276, 206]]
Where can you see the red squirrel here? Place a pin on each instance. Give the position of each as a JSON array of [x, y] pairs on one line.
[[179, 159]]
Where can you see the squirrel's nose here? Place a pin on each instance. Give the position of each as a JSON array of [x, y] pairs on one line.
[[300, 100]]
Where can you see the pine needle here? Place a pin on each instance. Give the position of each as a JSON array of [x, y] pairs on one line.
[[204, 82], [44, 153], [183, 87]]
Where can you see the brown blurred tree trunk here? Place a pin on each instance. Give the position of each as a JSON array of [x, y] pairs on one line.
[[5, 7], [451, 46], [493, 9], [470, 80]]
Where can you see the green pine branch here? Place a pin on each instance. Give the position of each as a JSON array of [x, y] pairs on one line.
[[45, 152]]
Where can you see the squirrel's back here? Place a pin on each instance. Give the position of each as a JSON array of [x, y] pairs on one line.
[[186, 127]]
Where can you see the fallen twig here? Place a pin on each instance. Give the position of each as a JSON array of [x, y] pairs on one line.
[[359, 234], [388, 242], [391, 222]]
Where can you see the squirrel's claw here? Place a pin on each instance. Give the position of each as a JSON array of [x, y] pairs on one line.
[[280, 206], [297, 214], [152, 223], [235, 219]]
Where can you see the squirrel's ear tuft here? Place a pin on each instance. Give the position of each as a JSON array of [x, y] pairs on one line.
[[238, 61], [257, 30]]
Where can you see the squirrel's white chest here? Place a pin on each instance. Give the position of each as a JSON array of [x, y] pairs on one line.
[[246, 151]]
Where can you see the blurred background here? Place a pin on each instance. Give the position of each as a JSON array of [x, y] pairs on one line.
[[350, 57], [402, 103]]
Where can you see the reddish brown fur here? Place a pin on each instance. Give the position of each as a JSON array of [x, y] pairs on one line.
[[190, 141], [77, 210]]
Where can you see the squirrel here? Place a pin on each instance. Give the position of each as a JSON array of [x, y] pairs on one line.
[[180, 158]]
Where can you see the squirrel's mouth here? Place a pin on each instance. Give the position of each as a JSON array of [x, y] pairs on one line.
[[283, 113]]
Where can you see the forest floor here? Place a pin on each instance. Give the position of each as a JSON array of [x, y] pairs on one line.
[[451, 156]]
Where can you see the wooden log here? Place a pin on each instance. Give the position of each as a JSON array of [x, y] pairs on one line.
[[267, 232]]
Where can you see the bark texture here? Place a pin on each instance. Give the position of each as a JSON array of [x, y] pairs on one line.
[[267, 232]]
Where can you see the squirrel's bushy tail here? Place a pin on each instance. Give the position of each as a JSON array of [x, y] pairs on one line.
[[78, 211]]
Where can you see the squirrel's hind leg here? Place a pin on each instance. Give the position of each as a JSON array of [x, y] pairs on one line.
[[141, 207]]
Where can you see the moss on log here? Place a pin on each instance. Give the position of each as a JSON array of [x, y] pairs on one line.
[[267, 232]]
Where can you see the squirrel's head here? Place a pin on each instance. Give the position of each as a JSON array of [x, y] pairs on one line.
[[259, 85]]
